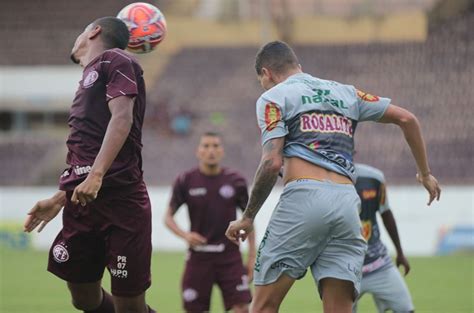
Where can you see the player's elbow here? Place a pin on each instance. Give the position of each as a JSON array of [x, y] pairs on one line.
[[407, 119], [273, 164]]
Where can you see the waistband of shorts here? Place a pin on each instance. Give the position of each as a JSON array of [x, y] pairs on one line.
[[315, 183]]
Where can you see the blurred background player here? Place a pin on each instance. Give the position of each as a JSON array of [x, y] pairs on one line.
[[212, 193], [107, 212], [311, 123], [379, 277]]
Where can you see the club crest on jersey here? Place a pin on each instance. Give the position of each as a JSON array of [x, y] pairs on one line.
[[60, 253], [190, 295], [90, 79], [272, 115], [227, 191], [367, 96], [366, 230]]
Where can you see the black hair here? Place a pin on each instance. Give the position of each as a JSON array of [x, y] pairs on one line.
[[114, 32], [211, 134], [276, 56]]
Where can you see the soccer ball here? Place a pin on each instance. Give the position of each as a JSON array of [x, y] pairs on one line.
[[147, 26]]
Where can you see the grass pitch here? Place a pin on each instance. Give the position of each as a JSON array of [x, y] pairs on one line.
[[437, 284]]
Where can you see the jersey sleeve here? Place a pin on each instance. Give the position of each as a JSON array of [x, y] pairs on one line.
[[178, 196], [384, 205], [121, 78], [371, 107], [241, 193], [270, 117]]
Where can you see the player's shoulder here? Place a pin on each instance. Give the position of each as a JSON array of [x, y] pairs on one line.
[[118, 55], [367, 171], [186, 175], [232, 174]]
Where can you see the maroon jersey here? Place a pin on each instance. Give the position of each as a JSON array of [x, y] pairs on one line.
[[112, 74], [212, 202]]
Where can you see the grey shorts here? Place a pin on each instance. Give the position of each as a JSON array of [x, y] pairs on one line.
[[315, 224], [388, 289]]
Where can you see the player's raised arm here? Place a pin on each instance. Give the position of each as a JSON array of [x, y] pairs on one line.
[[410, 126]]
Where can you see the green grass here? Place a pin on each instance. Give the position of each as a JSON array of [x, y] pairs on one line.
[[438, 284]]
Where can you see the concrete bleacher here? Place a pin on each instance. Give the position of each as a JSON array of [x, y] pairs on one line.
[[432, 79]]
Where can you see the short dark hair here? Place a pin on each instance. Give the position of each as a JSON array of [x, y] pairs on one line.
[[114, 32], [276, 56], [211, 134]]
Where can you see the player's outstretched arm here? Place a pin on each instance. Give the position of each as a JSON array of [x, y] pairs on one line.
[[391, 227], [44, 211], [265, 179], [410, 126], [121, 120]]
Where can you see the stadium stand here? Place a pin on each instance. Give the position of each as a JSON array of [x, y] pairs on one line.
[[218, 87], [433, 79]]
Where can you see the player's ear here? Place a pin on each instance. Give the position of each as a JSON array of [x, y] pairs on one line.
[[266, 72], [94, 32]]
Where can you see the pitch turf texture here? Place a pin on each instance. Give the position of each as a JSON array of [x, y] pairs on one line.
[[438, 284]]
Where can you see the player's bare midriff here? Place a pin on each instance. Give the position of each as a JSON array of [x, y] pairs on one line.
[[296, 168]]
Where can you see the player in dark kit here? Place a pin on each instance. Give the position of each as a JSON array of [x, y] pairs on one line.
[[212, 194], [107, 212], [379, 276]]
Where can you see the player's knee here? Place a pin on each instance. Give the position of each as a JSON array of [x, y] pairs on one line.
[[267, 305], [240, 308], [83, 304]]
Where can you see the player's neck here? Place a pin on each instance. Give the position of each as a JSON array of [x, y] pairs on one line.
[[91, 54], [210, 170], [291, 72]]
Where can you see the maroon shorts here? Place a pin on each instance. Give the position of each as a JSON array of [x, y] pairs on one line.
[[113, 231], [200, 275]]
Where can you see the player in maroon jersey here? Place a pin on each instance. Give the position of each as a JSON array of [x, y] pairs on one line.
[[212, 194], [107, 212]]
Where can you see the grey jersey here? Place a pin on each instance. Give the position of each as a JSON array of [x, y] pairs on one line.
[[318, 119], [370, 186]]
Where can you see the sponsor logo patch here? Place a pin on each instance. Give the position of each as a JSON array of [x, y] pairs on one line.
[[369, 194], [194, 192], [366, 230], [367, 96], [326, 123], [60, 253], [272, 115], [90, 79]]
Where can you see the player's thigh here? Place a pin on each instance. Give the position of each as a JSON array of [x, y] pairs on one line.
[[129, 244], [343, 256], [232, 279], [129, 255], [297, 232], [131, 304], [77, 254], [196, 285], [390, 291], [268, 298]]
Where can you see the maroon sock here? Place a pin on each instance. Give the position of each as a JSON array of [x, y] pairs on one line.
[[150, 310], [107, 305]]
